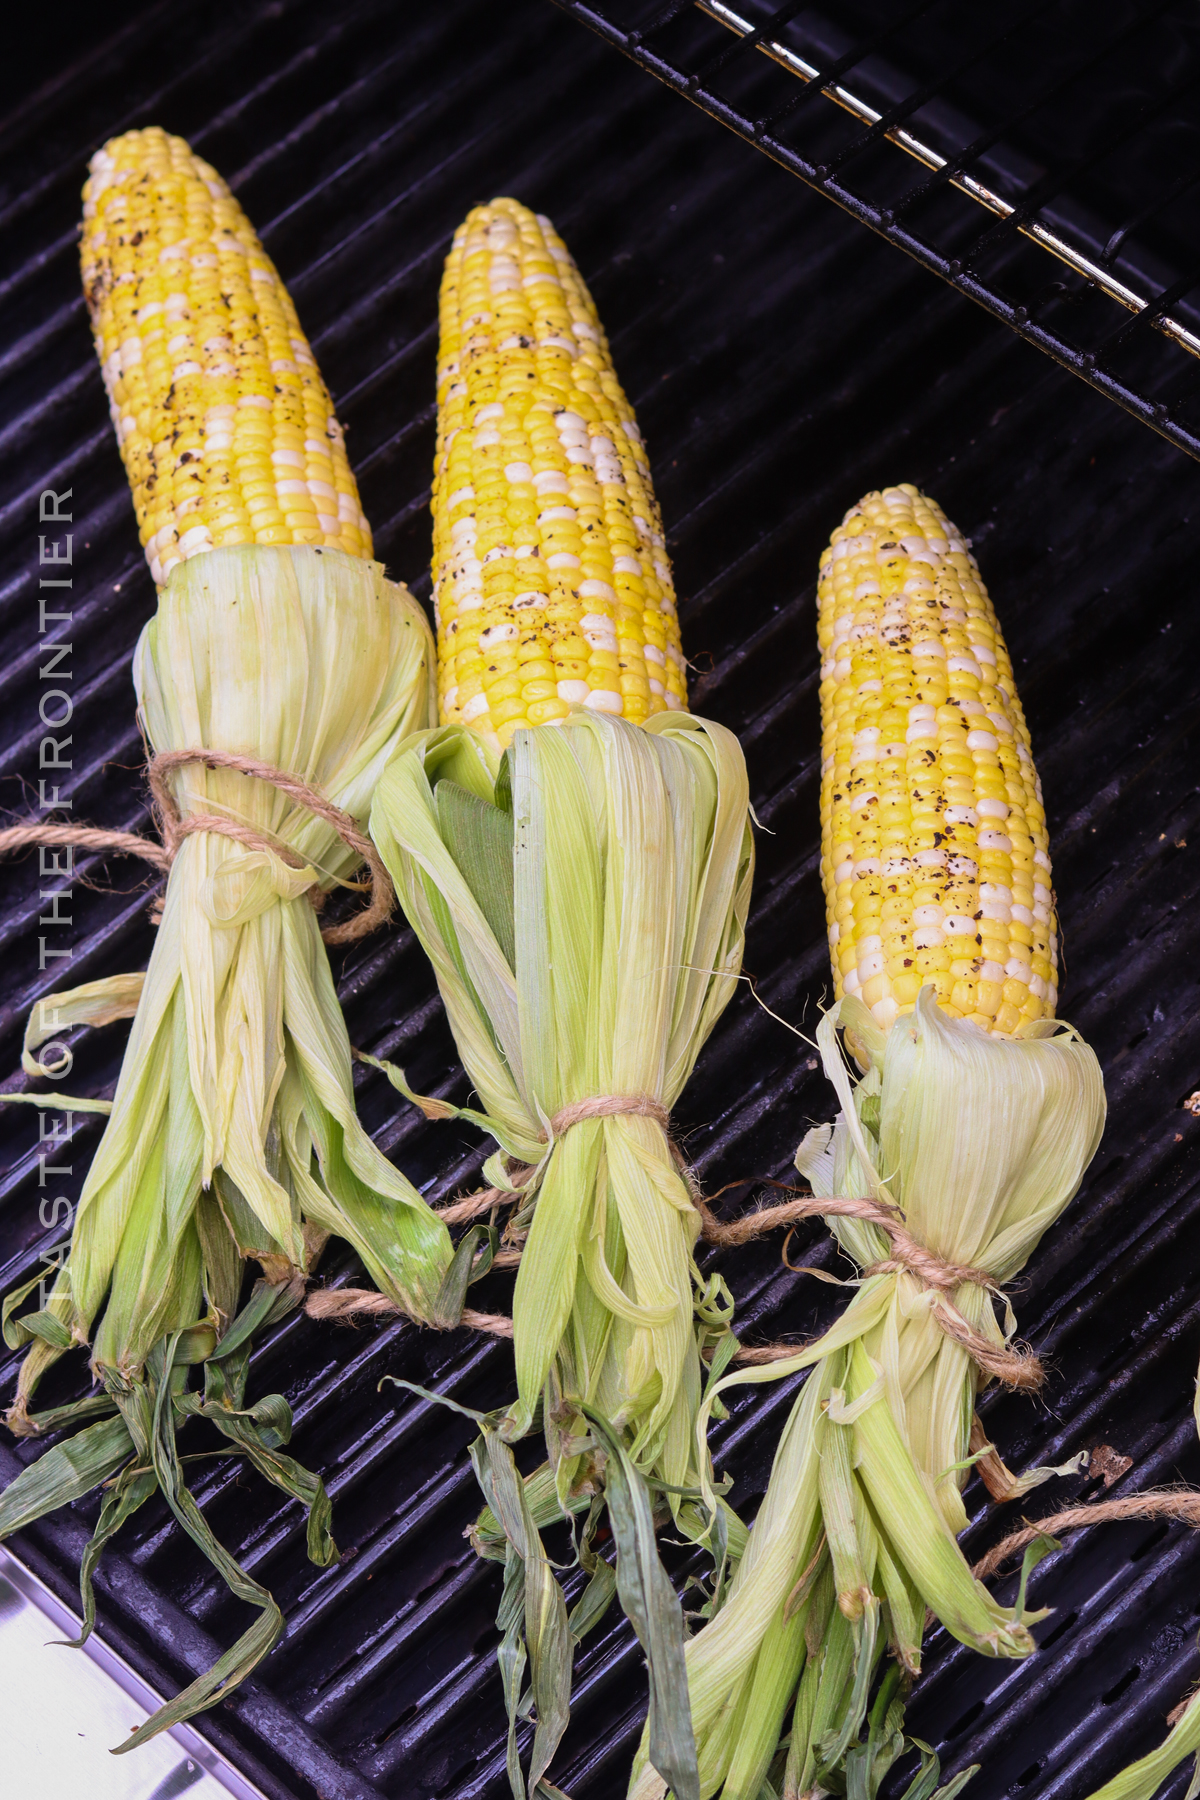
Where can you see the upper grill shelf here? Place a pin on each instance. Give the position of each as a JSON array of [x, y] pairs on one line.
[[983, 107]]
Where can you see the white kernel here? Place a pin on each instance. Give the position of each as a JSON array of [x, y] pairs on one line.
[[844, 871], [934, 859], [518, 471], [850, 981], [1022, 914], [981, 740], [871, 965], [596, 590], [1017, 966], [867, 946], [627, 565], [922, 711], [460, 494], [997, 910], [835, 932], [921, 729], [959, 925], [483, 440], [961, 815], [497, 634], [992, 971], [868, 865], [1040, 857], [995, 840], [290, 459], [474, 707], [1001, 723], [992, 809], [929, 647], [674, 703], [604, 700], [866, 588], [198, 538], [575, 692], [492, 411], [552, 513], [1038, 986], [928, 915], [885, 1012], [531, 598], [983, 654], [563, 560], [928, 937], [964, 664], [996, 890]]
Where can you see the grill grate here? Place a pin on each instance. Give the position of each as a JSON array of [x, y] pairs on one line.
[[929, 84], [357, 139]]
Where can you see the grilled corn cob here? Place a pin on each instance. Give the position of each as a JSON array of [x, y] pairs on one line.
[[225, 426], [934, 851], [551, 579], [973, 1121], [233, 1134], [583, 903]]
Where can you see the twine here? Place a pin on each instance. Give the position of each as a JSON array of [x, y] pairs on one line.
[[1019, 1369], [1180, 1506], [347, 1304], [1015, 1368], [174, 827]]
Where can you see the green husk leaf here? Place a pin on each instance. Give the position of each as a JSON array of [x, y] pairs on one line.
[[463, 1271], [547, 1636], [482, 836], [652, 1607], [131, 1489], [154, 1426], [94, 1406], [65, 1473]]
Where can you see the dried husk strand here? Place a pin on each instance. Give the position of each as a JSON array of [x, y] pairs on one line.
[[233, 1134], [980, 1142]]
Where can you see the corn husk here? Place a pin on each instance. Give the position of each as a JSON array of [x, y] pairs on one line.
[[981, 1141], [233, 1134], [583, 899]]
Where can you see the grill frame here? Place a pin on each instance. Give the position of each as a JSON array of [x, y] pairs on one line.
[[1081, 522], [689, 78]]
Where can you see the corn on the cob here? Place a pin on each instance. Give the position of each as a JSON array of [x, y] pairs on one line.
[[583, 902], [934, 851], [938, 881], [226, 428], [551, 579], [233, 1134]]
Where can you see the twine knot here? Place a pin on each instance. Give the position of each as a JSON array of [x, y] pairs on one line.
[[174, 827]]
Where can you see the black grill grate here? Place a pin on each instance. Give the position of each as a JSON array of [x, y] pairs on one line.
[[1076, 132], [357, 139]]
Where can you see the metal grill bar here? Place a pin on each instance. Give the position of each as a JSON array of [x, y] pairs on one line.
[[1085, 363], [359, 145]]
